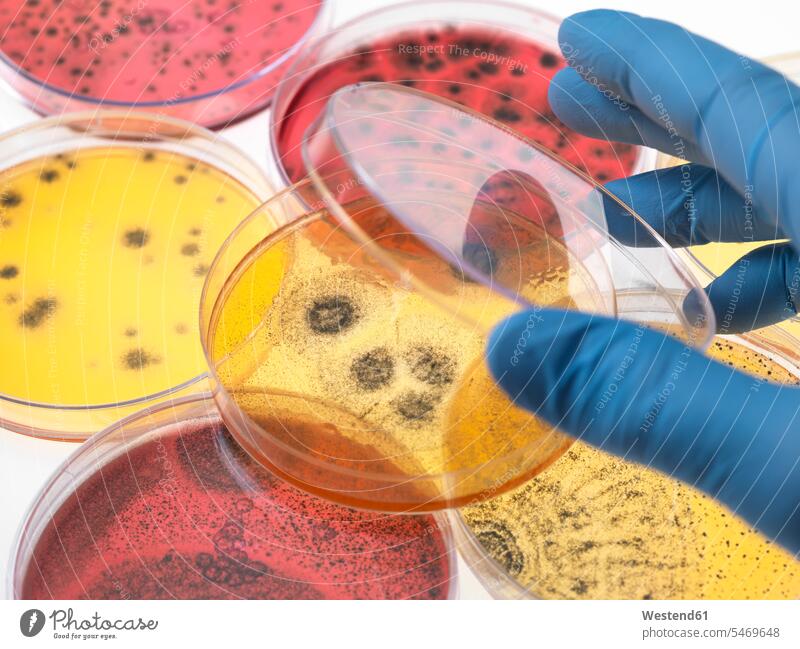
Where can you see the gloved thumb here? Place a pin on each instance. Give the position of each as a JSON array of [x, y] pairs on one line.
[[637, 393]]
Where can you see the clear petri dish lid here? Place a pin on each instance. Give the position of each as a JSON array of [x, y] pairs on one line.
[[502, 211]]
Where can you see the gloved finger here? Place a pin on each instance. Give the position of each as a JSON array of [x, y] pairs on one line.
[[597, 111], [741, 114], [643, 395], [687, 205], [758, 290]]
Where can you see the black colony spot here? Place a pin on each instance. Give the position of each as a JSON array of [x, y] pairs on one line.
[[41, 309], [9, 272], [149, 156], [373, 370], [415, 406], [10, 198], [500, 543], [190, 249], [201, 270], [180, 180], [49, 175], [548, 60], [507, 115], [138, 359], [432, 366], [136, 238], [331, 315]]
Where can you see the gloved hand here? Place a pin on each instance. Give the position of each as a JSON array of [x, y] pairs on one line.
[[649, 82]]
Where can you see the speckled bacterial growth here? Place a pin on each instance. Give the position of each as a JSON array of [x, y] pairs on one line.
[[491, 71], [103, 254], [595, 527], [154, 50], [334, 326], [188, 515]]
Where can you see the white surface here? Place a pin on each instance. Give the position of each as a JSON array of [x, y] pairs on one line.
[[754, 29]]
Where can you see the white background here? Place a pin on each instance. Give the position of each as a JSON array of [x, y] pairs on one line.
[[756, 29]]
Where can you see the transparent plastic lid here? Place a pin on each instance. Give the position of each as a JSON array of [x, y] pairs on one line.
[[346, 320], [500, 210]]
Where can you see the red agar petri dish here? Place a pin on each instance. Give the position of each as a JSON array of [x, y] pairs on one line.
[[208, 61], [492, 57], [165, 504]]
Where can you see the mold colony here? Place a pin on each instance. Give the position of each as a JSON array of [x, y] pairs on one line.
[[187, 514], [492, 71], [381, 395], [593, 526], [212, 62], [103, 254]]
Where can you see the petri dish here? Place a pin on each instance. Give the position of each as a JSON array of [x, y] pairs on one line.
[[165, 505], [108, 224], [210, 63], [346, 345], [593, 526], [493, 57]]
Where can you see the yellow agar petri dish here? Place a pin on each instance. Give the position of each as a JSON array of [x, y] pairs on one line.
[[346, 320], [593, 526], [108, 226]]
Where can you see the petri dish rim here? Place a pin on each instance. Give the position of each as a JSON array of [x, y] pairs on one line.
[[645, 158], [82, 462], [83, 124], [322, 16], [772, 341]]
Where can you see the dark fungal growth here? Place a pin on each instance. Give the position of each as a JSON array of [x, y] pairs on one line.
[[49, 175], [10, 198], [415, 406], [432, 366], [331, 315], [190, 250], [137, 238], [374, 369], [9, 272], [548, 60], [138, 359], [501, 544], [41, 309]]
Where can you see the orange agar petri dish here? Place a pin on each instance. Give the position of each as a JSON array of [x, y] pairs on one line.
[[345, 321]]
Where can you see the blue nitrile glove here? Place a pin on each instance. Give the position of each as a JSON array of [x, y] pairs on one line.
[[636, 392]]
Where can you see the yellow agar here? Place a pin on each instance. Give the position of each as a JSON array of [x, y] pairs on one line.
[[593, 526], [103, 255]]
